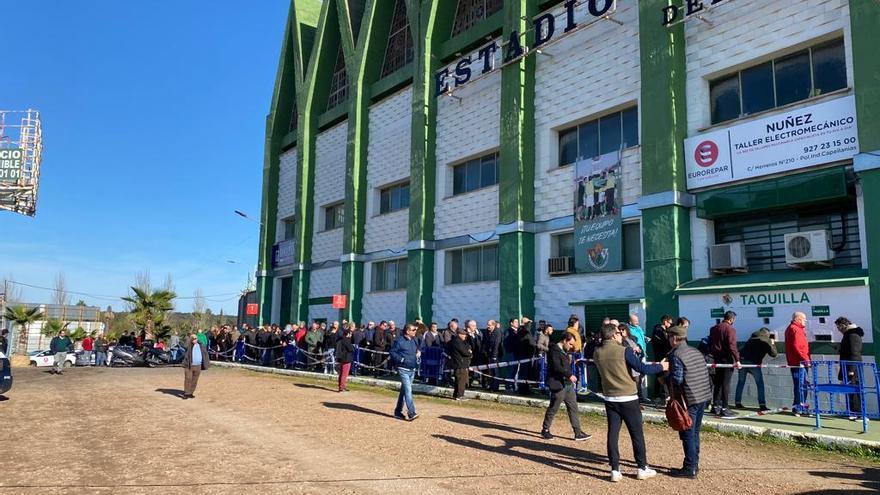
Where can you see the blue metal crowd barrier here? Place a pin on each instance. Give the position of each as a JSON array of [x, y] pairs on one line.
[[832, 378], [432, 363]]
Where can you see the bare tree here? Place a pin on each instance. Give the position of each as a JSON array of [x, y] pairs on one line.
[[61, 297], [169, 283], [199, 307], [142, 281], [14, 292]]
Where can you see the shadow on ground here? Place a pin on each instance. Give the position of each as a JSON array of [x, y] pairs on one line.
[[355, 408], [174, 392], [868, 480], [316, 387]]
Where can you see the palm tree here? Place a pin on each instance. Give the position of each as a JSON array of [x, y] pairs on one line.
[[23, 316], [52, 327], [149, 308]]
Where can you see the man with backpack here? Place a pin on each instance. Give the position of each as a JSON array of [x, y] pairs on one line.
[[689, 379]]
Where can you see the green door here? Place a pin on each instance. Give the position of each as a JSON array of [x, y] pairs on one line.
[[286, 295], [595, 313]]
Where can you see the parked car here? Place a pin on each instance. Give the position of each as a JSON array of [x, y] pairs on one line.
[[5, 374], [46, 358]]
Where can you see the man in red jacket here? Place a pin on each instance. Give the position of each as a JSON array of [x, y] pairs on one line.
[[797, 351]]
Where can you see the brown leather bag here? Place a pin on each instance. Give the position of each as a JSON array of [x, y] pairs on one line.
[[676, 410]]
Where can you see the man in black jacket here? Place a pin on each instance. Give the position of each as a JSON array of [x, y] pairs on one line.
[[561, 383], [758, 346], [525, 349], [660, 343], [850, 350], [460, 354], [492, 350]]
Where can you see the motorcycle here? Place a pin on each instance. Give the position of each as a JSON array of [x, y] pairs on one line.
[[147, 356]]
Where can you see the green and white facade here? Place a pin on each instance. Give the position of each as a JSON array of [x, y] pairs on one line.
[[429, 178]]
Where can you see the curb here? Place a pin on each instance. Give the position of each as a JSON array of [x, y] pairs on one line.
[[648, 416]]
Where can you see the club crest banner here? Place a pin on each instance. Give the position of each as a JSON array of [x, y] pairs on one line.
[[598, 237]]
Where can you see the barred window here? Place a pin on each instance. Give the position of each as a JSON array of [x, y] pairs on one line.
[[470, 12], [764, 233], [339, 82], [399, 51]]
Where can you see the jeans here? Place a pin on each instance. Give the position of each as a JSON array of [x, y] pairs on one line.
[[329, 362], [568, 396], [630, 413], [797, 403], [759, 383], [690, 439], [87, 356], [100, 358], [406, 381], [721, 387]]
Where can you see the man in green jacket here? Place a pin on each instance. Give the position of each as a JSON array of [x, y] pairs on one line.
[[60, 346]]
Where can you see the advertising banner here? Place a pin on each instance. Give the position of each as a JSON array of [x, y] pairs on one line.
[[598, 238], [10, 164], [283, 254], [804, 137]]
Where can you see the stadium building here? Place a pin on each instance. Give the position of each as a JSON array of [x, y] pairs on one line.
[[490, 159]]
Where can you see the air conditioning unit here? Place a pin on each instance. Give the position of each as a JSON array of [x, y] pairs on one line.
[[812, 246], [728, 257], [560, 265]]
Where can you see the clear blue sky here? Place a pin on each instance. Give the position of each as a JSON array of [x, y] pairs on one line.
[[153, 125]]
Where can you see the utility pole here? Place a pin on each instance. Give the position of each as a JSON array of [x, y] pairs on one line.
[[3, 316]]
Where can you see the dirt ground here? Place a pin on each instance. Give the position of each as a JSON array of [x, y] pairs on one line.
[[103, 431]]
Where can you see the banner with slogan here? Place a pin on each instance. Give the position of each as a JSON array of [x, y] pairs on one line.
[[10, 164], [598, 237]]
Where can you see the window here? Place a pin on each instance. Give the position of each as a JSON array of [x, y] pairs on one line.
[[795, 77], [764, 233], [475, 174], [389, 275], [563, 245], [289, 228], [470, 12], [334, 216], [477, 264], [394, 198], [603, 135], [632, 246], [338, 83], [399, 50]]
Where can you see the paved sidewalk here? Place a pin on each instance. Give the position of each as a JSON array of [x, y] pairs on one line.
[[835, 432]]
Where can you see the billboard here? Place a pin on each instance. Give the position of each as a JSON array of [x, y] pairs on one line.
[[11, 161], [598, 238], [804, 137]]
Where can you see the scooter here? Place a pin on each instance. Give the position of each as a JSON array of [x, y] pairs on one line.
[[121, 355], [159, 357]]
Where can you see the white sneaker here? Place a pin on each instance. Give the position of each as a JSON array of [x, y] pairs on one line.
[[616, 476], [646, 473]]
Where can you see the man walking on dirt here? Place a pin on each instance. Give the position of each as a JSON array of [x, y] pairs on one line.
[[195, 360], [60, 346]]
